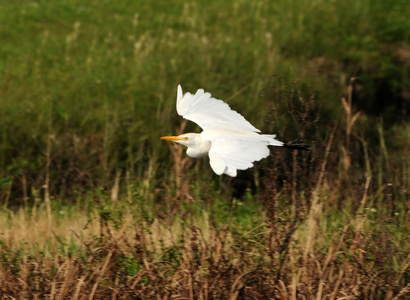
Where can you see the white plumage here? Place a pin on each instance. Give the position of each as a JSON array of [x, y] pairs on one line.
[[230, 140]]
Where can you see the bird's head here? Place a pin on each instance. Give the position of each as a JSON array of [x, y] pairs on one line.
[[186, 139]]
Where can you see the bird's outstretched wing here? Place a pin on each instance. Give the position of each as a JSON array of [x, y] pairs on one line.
[[209, 112], [234, 150], [228, 155]]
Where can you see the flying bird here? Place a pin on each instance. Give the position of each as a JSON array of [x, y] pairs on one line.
[[231, 142]]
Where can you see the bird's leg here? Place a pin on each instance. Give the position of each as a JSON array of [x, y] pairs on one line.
[[299, 139], [297, 144]]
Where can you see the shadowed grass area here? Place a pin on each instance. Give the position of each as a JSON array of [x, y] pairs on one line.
[[94, 205]]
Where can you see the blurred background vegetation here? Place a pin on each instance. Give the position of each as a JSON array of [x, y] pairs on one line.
[[87, 87]]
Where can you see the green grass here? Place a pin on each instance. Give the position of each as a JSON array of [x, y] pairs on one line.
[[90, 193], [100, 80]]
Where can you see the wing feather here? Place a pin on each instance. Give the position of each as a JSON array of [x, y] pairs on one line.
[[230, 153], [209, 112], [235, 143]]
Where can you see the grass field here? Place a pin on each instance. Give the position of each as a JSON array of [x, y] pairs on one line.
[[95, 206]]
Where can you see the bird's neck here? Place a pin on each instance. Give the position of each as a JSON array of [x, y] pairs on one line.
[[200, 148]]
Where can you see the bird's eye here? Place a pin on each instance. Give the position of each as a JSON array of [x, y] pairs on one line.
[[185, 138]]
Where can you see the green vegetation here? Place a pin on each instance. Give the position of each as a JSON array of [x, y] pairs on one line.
[[95, 205]]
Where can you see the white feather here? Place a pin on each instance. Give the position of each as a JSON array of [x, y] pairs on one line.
[[209, 112], [234, 150], [230, 140]]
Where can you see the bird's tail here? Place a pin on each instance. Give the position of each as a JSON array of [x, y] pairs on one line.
[[272, 140]]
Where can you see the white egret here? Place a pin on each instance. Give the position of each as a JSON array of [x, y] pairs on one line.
[[231, 142]]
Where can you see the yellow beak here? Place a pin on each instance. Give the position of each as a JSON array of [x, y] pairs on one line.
[[171, 138]]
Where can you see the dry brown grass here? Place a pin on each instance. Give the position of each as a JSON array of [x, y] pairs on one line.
[[176, 260]]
